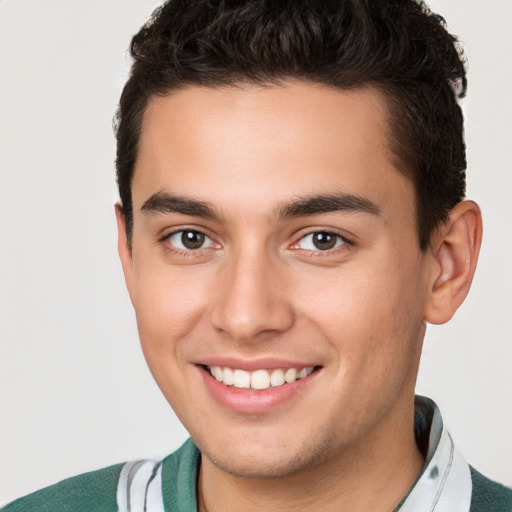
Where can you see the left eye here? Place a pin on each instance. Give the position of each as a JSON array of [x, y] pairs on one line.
[[189, 240], [320, 241]]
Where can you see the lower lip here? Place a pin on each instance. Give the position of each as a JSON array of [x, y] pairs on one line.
[[250, 400]]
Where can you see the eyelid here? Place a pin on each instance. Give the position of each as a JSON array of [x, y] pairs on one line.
[[179, 229], [332, 231], [300, 235]]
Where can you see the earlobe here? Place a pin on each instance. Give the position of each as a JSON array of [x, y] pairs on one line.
[[454, 251], [123, 247]]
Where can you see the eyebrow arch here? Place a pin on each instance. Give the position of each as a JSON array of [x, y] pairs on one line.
[[326, 203], [163, 202]]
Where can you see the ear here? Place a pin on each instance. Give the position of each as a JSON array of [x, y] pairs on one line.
[[124, 248], [454, 248]]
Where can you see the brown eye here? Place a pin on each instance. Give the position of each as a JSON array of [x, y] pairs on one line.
[[324, 241], [189, 240], [320, 241], [192, 239]]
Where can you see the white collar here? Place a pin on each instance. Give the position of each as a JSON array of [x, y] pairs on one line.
[[444, 484]]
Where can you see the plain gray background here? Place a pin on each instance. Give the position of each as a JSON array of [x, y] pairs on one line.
[[74, 389]]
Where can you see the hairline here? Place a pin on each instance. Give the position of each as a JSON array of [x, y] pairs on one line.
[[388, 93]]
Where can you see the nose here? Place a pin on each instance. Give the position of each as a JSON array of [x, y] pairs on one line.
[[251, 299]]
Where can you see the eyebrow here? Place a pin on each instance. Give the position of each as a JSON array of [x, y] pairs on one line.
[[326, 203], [163, 202]]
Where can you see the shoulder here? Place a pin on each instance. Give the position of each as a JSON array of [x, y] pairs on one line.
[[95, 490], [489, 496], [179, 476], [140, 482]]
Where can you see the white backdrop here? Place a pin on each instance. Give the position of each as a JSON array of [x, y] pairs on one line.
[[75, 393]]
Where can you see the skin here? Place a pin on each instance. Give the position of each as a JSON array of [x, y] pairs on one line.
[[258, 288]]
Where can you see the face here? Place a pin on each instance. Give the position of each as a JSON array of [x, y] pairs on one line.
[[275, 247]]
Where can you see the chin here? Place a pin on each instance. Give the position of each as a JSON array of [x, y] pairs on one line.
[[272, 459], [261, 467]]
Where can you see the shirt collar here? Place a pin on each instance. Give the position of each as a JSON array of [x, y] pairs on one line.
[[444, 483]]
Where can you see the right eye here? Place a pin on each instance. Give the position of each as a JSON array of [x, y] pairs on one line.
[[189, 240]]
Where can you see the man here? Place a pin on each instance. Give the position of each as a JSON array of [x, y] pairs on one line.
[[292, 214]]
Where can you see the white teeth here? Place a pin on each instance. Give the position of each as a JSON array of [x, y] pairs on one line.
[[277, 378], [302, 373], [217, 373], [290, 375], [229, 377], [259, 379], [242, 379]]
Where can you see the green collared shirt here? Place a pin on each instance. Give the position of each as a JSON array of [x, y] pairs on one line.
[[446, 482]]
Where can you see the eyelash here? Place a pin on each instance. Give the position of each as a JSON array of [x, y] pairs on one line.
[[309, 252], [185, 252], [345, 243]]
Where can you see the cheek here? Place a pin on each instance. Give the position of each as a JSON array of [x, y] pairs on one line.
[[168, 306], [370, 313], [169, 311]]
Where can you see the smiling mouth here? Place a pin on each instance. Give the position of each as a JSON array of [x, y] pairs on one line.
[[258, 379]]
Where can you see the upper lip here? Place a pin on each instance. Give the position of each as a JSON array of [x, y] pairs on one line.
[[267, 363]]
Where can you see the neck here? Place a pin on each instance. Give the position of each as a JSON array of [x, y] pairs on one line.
[[372, 474]]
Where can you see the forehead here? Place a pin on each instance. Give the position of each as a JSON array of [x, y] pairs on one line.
[[262, 143]]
